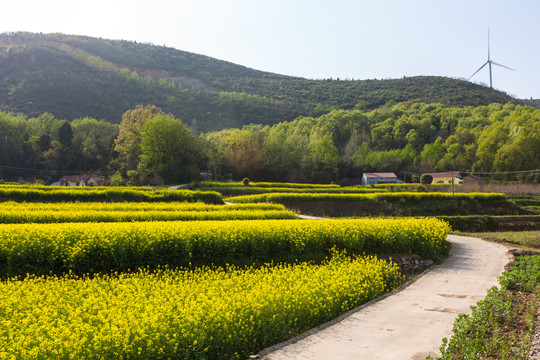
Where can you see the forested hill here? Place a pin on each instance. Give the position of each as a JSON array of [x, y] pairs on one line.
[[532, 102], [74, 76]]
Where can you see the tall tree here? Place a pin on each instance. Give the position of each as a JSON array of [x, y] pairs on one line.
[[96, 139], [65, 135], [127, 144], [168, 150], [243, 151]]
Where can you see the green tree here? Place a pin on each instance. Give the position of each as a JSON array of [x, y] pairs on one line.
[[491, 139], [521, 154], [127, 144], [324, 157], [167, 149], [65, 135], [243, 151], [96, 139], [282, 153]]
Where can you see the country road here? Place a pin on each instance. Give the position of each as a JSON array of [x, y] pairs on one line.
[[411, 322]]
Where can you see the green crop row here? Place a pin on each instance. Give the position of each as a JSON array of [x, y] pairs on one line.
[[107, 194], [384, 196], [95, 247], [268, 185], [248, 190]]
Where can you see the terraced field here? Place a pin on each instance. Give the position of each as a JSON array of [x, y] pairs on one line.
[[112, 286]]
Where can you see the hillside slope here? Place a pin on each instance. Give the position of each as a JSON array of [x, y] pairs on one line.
[[531, 102], [75, 76]]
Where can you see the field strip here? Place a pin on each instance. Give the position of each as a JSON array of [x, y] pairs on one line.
[[410, 323]]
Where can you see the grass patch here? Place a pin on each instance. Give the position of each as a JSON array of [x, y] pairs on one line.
[[529, 239]]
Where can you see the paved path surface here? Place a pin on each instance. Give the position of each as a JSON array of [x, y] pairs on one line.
[[410, 323]]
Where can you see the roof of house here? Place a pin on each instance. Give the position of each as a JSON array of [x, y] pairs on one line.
[[447, 174], [380, 175], [76, 178]]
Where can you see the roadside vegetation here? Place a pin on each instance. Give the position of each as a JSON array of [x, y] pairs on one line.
[[502, 325], [526, 239]]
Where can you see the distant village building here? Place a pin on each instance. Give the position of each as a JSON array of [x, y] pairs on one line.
[[446, 178], [380, 178], [473, 180], [80, 180]]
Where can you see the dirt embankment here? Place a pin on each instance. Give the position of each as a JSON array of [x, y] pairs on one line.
[[405, 208]]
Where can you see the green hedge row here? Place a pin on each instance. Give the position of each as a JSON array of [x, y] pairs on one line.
[[384, 196], [248, 190], [107, 194]]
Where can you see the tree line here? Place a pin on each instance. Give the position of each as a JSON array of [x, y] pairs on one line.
[[150, 146]]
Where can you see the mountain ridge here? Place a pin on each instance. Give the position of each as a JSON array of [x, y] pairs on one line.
[[76, 76]]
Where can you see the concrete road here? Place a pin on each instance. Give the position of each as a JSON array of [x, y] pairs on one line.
[[410, 323]]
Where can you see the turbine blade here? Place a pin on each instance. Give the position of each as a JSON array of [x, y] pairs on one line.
[[488, 43], [494, 63], [481, 67]]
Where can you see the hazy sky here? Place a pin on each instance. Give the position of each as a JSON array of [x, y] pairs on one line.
[[317, 39]]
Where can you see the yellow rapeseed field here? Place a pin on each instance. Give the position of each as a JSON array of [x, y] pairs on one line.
[[91, 247], [17, 213], [175, 314]]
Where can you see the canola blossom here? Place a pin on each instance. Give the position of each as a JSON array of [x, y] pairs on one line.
[[177, 314], [18, 213], [376, 196], [53, 188], [96, 247]]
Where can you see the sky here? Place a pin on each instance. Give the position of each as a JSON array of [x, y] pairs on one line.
[[317, 39]]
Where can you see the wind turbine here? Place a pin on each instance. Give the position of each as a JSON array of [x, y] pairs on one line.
[[489, 61]]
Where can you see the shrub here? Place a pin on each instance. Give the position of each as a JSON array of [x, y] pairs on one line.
[[245, 181], [421, 188], [426, 179]]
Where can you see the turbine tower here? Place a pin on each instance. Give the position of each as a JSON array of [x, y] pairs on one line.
[[490, 62]]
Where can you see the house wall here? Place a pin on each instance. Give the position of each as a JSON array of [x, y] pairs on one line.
[[447, 180], [368, 181]]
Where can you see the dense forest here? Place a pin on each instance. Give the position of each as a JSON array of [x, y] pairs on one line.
[[73, 77], [151, 146]]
